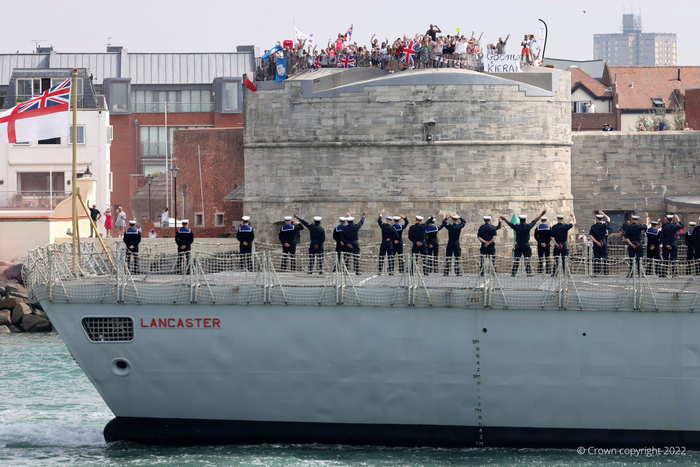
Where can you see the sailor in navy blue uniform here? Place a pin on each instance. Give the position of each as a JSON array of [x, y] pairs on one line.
[[633, 237], [453, 251], [339, 245], [691, 243], [560, 234], [416, 234], [350, 236], [184, 238], [522, 245], [431, 239], [288, 239], [389, 238], [487, 237], [245, 236], [317, 235], [398, 247], [669, 250], [543, 237], [653, 245], [599, 236], [132, 238]]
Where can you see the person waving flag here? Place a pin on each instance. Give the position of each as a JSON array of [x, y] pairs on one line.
[[42, 117], [408, 55]]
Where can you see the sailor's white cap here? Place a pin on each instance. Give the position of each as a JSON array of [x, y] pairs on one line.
[[654, 222], [560, 216], [692, 223], [132, 222], [317, 218], [419, 218], [397, 218], [342, 219], [185, 221], [486, 218], [544, 218], [635, 217], [669, 216], [599, 216], [523, 216], [246, 218], [455, 216], [350, 219], [288, 218]]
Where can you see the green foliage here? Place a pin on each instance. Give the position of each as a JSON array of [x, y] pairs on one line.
[[678, 119]]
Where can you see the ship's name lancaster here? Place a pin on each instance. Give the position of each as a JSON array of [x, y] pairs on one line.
[[180, 322]]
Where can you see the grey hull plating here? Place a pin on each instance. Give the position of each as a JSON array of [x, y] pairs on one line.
[[497, 374]]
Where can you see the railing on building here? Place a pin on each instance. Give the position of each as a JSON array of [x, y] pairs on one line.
[[297, 64], [225, 277], [31, 200], [173, 107]]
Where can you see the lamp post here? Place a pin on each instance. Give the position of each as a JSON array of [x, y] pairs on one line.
[[149, 179], [175, 171], [87, 173]]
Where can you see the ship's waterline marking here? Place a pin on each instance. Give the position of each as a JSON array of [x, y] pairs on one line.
[[478, 408]]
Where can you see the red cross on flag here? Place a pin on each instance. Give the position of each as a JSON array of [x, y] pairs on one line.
[[42, 117]]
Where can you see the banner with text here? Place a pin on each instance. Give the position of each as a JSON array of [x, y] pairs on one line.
[[497, 63]]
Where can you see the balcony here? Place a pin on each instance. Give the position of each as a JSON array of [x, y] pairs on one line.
[[31, 200], [173, 107]]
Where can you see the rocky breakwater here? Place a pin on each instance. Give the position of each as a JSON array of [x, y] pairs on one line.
[[16, 313]]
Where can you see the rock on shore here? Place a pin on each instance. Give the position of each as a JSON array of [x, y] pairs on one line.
[[16, 313]]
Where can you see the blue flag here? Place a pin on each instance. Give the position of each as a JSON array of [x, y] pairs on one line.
[[275, 49], [281, 69]]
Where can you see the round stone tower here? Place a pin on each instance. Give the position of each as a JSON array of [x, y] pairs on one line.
[[333, 141]]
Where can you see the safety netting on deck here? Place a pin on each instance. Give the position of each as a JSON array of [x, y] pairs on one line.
[[216, 275]]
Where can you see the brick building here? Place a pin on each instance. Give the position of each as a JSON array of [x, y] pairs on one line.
[[149, 96]]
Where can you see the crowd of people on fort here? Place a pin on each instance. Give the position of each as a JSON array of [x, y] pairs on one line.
[[431, 49]]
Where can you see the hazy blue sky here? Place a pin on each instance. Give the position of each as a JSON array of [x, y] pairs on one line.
[[219, 26]]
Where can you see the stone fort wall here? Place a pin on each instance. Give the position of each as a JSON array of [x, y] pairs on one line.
[[497, 147]]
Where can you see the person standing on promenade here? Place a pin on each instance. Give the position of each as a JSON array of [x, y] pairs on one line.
[[109, 222], [165, 222], [94, 214]]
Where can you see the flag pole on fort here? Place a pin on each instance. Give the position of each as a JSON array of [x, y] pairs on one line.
[[76, 191]]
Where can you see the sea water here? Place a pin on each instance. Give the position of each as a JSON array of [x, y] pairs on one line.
[[50, 414]]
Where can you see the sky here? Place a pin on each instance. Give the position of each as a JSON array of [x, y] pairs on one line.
[[220, 26]]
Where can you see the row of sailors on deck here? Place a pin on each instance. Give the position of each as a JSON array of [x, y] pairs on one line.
[[422, 235]]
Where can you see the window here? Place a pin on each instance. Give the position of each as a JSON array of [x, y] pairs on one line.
[[81, 134], [111, 182], [110, 134], [119, 96], [231, 90], [30, 87], [198, 219], [658, 102], [145, 101], [40, 182], [52, 141], [153, 141], [219, 219], [580, 107]]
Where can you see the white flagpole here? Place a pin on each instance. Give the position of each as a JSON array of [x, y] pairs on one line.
[[76, 192]]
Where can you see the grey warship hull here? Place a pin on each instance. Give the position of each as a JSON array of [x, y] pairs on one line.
[[441, 369]]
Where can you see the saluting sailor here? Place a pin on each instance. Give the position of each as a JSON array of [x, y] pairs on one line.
[[288, 239], [560, 233], [543, 237], [184, 239], [453, 251], [389, 238], [522, 245], [431, 239], [317, 235], [350, 236], [339, 245], [691, 243], [132, 238], [487, 236], [633, 237], [245, 236], [653, 245], [398, 247], [599, 235], [669, 232]]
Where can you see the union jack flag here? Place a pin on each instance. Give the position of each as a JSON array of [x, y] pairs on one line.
[[41, 117], [408, 55], [317, 64], [346, 61]]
